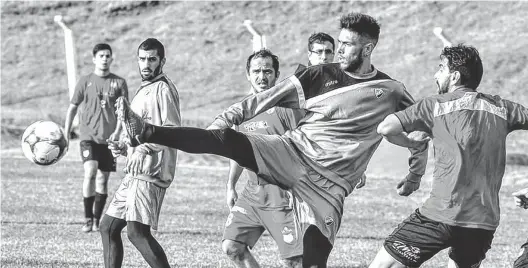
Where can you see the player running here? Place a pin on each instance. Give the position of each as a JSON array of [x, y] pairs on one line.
[[325, 157], [96, 94], [521, 200], [261, 206], [150, 168], [469, 131]]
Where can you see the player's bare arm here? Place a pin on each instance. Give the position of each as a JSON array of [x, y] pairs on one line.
[[283, 94], [234, 174], [70, 115], [392, 130]]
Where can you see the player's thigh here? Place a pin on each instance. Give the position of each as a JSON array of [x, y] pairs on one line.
[[417, 239], [143, 203], [117, 207], [385, 260], [470, 245], [282, 227], [277, 161], [243, 225]]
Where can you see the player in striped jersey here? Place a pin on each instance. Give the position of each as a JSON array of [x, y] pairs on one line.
[[469, 131], [325, 157], [261, 206]]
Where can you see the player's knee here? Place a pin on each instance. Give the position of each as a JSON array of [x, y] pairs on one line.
[[105, 227], [234, 250]]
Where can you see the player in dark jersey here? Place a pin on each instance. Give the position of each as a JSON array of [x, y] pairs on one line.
[[325, 157], [261, 206], [95, 95], [521, 200], [321, 50], [469, 132]]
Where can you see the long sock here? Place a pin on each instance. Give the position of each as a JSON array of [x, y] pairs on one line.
[[88, 206], [224, 142], [100, 201], [140, 236]]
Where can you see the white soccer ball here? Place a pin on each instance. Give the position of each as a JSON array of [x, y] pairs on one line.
[[44, 143]]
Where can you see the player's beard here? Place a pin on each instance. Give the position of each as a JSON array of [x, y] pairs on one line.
[[355, 64], [151, 76]]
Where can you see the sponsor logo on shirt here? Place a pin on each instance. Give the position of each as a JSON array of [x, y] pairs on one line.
[[287, 235], [252, 126], [409, 252], [330, 83], [113, 85]]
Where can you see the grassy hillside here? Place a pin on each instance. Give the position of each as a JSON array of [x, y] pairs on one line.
[[207, 47]]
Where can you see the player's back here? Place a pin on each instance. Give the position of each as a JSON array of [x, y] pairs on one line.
[[469, 135]]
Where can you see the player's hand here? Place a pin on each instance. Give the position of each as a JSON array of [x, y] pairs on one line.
[[408, 185], [231, 198], [116, 147], [362, 181], [135, 163], [521, 198], [218, 124], [114, 136]]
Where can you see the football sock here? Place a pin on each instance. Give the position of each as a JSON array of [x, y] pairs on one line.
[[140, 236], [88, 206], [316, 248], [224, 142], [100, 201]]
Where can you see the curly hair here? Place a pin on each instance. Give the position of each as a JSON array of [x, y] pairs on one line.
[[466, 60], [320, 38], [365, 25], [264, 53]]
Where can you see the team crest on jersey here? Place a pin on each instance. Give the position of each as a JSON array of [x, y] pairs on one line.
[[270, 111], [113, 85], [329, 220], [287, 235], [379, 92], [252, 126], [409, 252]]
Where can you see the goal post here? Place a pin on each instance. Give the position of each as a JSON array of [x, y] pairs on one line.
[[69, 48], [259, 40]]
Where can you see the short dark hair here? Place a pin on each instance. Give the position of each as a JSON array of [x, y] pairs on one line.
[[153, 44], [264, 53], [365, 25], [466, 60], [101, 46], [320, 38]]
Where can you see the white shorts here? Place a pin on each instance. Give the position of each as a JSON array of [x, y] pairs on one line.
[[137, 200]]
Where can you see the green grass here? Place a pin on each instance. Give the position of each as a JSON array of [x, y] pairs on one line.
[[42, 216]]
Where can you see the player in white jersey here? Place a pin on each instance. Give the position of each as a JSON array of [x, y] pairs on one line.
[[325, 157], [261, 206], [150, 168]]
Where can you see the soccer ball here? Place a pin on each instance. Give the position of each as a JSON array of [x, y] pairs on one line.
[[44, 143]]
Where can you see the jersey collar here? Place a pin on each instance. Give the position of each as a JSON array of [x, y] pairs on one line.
[[363, 76]]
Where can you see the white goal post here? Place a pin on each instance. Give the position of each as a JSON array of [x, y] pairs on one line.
[[259, 40], [69, 48]]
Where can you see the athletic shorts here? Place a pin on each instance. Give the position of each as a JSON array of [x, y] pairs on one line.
[[137, 200], [522, 260], [91, 150], [419, 238], [245, 224], [317, 200]]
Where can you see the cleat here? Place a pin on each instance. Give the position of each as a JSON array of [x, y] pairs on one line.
[[95, 226], [87, 227], [133, 124]]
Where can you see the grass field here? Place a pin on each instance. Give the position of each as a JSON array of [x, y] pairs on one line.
[[42, 216]]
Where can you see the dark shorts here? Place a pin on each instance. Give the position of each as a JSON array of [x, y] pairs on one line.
[[245, 224], [418, 238], [91, 150], [522, 260]]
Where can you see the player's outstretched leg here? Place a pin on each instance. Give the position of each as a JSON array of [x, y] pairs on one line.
[[140, 236], [224, 142]]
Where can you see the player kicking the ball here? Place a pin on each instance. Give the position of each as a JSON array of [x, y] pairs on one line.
[[325, 157]]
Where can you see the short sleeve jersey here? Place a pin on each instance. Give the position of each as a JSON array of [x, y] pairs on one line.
[[274, 121], [469, 132], [338, 135], [96, 97]]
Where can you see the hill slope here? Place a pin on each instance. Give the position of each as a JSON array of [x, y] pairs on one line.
[[207, 47]]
